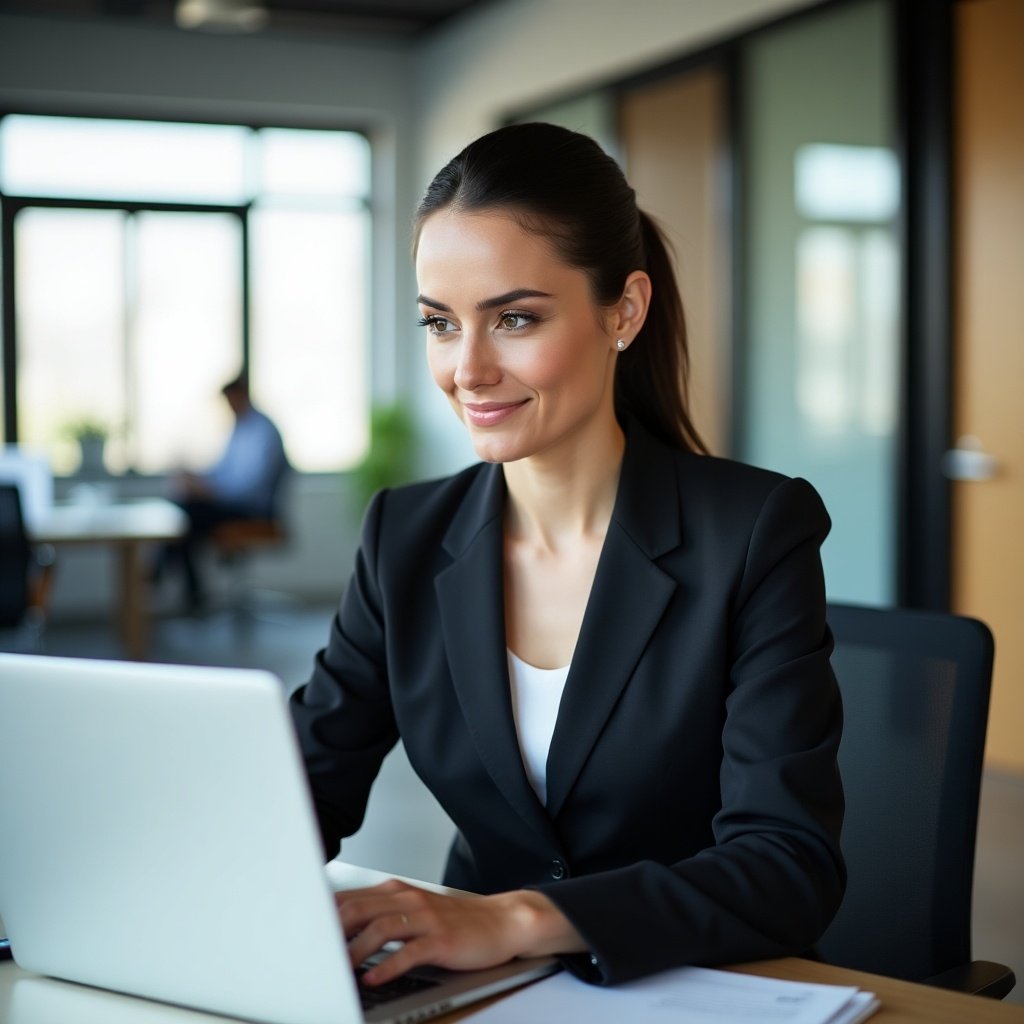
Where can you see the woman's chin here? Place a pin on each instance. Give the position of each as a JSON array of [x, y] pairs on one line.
[[490, 448], [493, 453]]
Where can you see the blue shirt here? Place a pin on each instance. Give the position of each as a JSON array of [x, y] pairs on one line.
[[253, 463]]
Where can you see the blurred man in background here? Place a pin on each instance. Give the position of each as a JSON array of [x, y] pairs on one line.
[[243, 484]]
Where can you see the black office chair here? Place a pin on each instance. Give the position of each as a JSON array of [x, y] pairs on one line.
[[26, 573], [915, 689]]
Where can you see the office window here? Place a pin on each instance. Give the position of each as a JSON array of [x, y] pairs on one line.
[[91, 158], [148, 260]]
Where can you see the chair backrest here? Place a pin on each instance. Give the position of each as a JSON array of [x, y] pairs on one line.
[[32, 474], [915, 689], [282, 482], [15, 553]]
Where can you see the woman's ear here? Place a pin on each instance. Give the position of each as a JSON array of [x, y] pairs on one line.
[[630, 311]]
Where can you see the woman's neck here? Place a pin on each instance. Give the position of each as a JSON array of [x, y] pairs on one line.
[[560, 496]]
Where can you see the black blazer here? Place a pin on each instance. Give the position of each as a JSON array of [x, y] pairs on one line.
[[694, 804]]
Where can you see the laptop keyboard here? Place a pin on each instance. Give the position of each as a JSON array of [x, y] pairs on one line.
[[406, 985]]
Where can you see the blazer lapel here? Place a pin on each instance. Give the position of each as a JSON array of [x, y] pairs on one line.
[[470, 594], [629, 597]]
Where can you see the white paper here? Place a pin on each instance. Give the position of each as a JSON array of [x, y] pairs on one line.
[[860, 1007], [342, 875], [688, 995]]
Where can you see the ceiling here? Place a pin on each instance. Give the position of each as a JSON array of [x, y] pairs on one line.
[[394, 18]]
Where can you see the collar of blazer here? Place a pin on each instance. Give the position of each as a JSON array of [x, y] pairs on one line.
[[628, 598]]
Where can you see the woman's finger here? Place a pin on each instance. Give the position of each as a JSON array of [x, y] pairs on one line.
[[396, 927], [391, 886], [414, 953], [358, 908]]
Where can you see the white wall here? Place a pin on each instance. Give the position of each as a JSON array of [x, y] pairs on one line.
[[514, 54]]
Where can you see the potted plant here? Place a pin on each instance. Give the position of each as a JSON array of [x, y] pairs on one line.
[[389, 460], [91, 436]]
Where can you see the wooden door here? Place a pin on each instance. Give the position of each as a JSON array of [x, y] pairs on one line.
[[988, 513], [673, 140]]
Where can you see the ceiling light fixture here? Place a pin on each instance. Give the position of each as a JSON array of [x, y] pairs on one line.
[[221, 15]]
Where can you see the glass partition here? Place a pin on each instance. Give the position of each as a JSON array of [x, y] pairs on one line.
[[820, 378]]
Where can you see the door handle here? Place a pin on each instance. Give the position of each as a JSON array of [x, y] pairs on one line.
[[969, 460]]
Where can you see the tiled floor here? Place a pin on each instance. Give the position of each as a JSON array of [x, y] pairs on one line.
[[406, 832]]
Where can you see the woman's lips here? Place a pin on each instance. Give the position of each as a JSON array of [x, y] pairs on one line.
[[489, 414]]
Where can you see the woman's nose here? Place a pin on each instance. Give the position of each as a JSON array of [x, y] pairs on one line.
[[477, 363]]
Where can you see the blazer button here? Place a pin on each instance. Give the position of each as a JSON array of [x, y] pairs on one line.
[[558, 870]]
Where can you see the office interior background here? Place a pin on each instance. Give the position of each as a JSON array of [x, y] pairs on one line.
[[843, 182]]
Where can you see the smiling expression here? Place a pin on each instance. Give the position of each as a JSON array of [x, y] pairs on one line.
[[514, 338]]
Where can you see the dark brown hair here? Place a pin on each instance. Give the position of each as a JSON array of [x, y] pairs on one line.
[[563, 186]]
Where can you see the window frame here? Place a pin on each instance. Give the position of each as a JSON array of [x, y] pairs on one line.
[[13, 205]]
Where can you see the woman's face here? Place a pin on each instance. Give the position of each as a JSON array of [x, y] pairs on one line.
[[514, 338]]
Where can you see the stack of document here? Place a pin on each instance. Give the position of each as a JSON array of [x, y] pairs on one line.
[[689, 995]]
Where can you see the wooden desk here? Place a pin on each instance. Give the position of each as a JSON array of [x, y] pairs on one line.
[[44, 1001], [127, 527], [902, 1002]]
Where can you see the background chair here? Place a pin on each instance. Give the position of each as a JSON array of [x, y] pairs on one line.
[[915, 689], [236, 538], [26, 573], [235, 542]]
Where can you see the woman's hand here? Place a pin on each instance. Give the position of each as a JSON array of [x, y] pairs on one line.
[[457, 932]]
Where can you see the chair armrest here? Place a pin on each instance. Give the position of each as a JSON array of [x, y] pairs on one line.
[[41, 580], [45, 555], [980, 978], [237, 536]]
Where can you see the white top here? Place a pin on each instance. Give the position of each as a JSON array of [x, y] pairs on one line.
[[536, 694]]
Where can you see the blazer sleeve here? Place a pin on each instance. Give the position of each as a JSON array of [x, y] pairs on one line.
[[343, 716], [774, 877]]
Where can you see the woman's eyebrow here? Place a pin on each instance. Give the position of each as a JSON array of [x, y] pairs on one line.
[[513, 296], [498, 300]]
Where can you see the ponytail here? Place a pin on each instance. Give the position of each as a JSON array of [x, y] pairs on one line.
[[652, 374]]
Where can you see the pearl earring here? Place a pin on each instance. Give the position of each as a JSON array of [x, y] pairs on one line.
[[620, 345]]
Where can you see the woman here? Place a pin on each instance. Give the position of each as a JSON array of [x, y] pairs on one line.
[[605, 652]]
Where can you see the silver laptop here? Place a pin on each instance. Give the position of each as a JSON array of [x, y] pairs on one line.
[[157, 838]]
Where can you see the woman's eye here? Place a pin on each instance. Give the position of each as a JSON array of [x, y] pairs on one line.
[[515, 321], [436, 324]]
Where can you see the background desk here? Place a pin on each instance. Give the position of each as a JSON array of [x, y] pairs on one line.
[[126, 527]]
